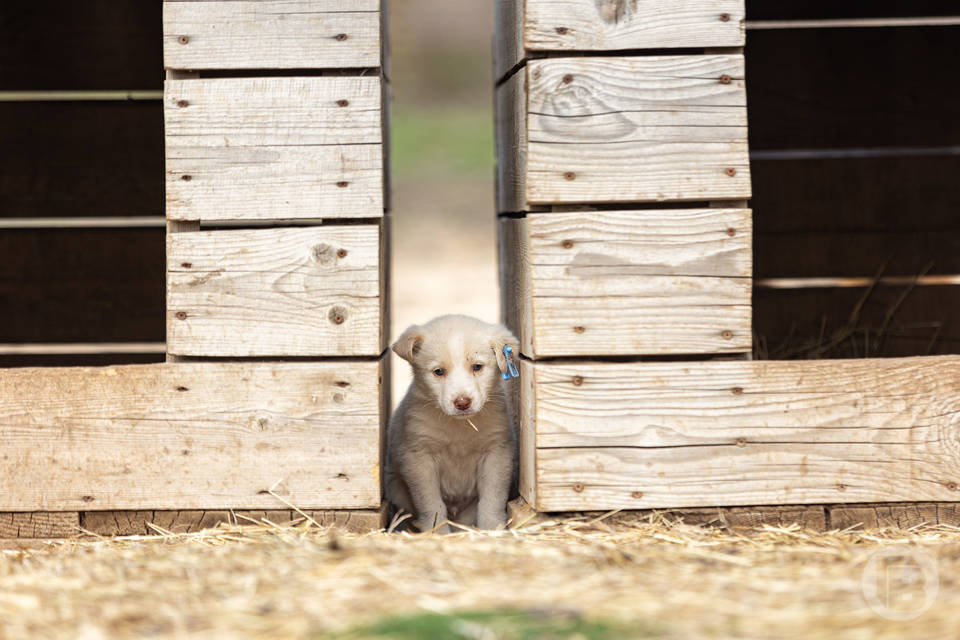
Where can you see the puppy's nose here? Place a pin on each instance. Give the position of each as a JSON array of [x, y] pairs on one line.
[[462, 403]]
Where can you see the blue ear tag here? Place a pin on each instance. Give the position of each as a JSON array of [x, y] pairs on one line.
[[507, 350]]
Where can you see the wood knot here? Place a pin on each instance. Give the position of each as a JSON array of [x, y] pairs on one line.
[[730, 171], [340, 37], [731, 231], [578, 487], [579, 329], [725, 79], [343, 103], [567, 244], [343, 184], [567, 78], [741, 442], [737, 391], [562, 30], [952, 486], [636, 494], [181, 315], [577, 381], [724, 17], [183, 103], [536, 74], [186, 177], [841, 487], [726, 334], [322, 253], [338, 315], [569, 175], [341, 253], [183, 39]]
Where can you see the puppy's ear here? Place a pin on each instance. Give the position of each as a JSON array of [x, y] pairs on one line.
[[502, 337], [409, 343]]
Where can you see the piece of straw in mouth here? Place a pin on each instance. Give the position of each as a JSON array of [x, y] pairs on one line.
[[470, 422]]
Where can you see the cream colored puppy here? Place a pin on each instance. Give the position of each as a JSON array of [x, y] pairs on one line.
[[451, 450]]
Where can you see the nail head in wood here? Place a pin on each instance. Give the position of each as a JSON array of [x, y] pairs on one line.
[[568, 78], [186, 265], [340, 37], [731, 172], [186, 177], [567, 244], [578, 487], [181, 315], [183, 103], [579, 329], [343, 184], [741, 442], [636, 494], [731, 231], [183, 39], [727, 334], [737, 391], [338, 315], [562, 31], [181, 389], [725, 79], [569, 175], [724, 17], [952, 486], [343, 103], [841, 487], [577, 381], [341, 253]]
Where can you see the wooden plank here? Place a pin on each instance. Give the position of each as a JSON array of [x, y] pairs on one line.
[[850, 217], [896, 516], [95, 44], [191, 436], [271, 34], [690, 434], [308, 291], [137, 523], [858, 23], [274, 148], [81, 285], [507, 37], [40, 524], [70, 159], [511, 138], [891, 321], [642, 129], [838, 88], [658, 282]]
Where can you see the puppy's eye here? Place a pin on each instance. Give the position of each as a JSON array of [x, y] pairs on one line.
[[439, 372], [477, 367]]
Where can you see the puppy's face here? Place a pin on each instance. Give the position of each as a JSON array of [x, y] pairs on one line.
[[455, 361]]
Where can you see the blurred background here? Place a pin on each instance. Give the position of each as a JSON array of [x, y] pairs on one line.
[[444, 225]]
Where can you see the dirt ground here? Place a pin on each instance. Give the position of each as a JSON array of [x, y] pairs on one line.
[[609, 578]]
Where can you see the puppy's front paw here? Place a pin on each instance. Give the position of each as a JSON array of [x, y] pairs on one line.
[[493, 520]]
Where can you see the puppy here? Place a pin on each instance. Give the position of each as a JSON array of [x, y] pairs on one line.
[[451, 450]]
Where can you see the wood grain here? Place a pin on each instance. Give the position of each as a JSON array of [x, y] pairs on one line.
[[656, 282], [55, 524], [641, 129], [510, 102], [274, 148], [311, 291], [668, 435], [136, 523], [191, 436], [897, 516], [271, 34]]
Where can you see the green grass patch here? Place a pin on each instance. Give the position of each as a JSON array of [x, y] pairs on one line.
[[449, 141], [496, 625]]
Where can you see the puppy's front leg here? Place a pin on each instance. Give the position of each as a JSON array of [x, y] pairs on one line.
[[493, 485], [422, 477]]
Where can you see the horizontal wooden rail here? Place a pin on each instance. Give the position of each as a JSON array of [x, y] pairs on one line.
[[120, 95], [81, 348], [123, 222], [845, 283], [932, 21]]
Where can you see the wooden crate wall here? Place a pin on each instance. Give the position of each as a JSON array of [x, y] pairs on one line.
[[622, 181], [276, 247]]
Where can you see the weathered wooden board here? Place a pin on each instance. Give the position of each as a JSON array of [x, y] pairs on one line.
[[525, 26], [271, 34], [191, 436], [897, 516], [679, 434], [55, 524], [659, 282], [274, 148], [510, 107], [132, 523], [640, 129], [307, 291]]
